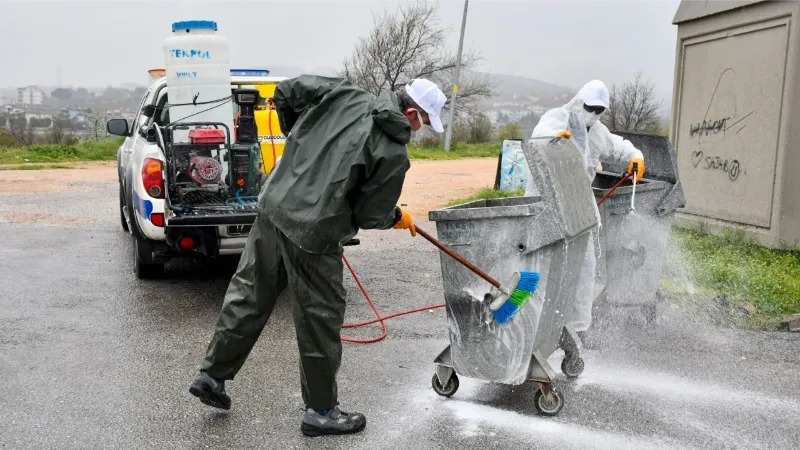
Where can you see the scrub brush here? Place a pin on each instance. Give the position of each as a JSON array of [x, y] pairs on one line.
[[504, 309], [509, 301]]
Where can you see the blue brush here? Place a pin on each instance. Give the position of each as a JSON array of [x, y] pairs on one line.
[[525, 287]]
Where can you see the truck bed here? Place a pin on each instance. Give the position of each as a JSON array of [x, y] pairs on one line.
[[202, 208]]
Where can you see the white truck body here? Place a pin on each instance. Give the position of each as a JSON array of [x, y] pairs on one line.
[[148, 219]]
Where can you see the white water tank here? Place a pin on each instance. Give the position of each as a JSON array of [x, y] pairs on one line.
[[198, 75]]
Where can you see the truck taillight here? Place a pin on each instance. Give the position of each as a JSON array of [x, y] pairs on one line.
[[157, 219], [152, 178]]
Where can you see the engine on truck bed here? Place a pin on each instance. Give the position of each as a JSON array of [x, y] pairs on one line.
[[195, 170], [210, 172]]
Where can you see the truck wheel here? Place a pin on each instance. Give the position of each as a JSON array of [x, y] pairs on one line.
[[122, 210], [143, 265]]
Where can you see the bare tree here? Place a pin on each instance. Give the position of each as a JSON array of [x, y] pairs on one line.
[[633, 106], [96, 122], [60, 131], [21, 129], [477, 129], [510, 131], [409, 44]]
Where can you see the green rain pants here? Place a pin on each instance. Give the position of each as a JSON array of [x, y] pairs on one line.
[[271, 263]]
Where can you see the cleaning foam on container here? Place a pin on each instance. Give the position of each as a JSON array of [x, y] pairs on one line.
[[197, 65]]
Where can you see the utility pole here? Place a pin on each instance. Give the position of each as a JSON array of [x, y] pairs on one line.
[[449, 133]]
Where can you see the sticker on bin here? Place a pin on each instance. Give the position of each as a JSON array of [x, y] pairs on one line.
[[618, 204]]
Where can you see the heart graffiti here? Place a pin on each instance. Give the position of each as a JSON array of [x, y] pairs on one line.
[[697, 157], [731, 167]]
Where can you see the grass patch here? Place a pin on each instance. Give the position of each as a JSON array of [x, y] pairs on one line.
[[458, 151], [90, 150], [729, 272], [488, 194], [36, 167]]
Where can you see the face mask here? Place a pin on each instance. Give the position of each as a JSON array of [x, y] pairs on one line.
[[589, 118], [419, 119]]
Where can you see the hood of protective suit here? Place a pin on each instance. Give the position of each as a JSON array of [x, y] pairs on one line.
[[390, 120], [594, 93]]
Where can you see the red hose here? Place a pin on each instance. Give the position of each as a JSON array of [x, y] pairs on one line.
[[377, 313], [381, 319]]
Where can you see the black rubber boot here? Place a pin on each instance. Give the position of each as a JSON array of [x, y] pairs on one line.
[[335, 422], [210, 391]]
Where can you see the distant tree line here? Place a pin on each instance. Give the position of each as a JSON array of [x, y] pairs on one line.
[[57, 130], [110, 98]]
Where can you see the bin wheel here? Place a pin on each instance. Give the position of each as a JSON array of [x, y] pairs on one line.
[[548, 405], [572, 367], [449, 389]]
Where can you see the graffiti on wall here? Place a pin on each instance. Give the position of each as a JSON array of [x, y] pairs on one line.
[[718, 127], [729, 166], [707, 127]]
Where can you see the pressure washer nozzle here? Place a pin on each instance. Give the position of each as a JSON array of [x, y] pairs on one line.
[[633, 193]]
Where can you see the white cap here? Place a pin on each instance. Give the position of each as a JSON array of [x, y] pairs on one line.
[[430, 98], [595, 93]]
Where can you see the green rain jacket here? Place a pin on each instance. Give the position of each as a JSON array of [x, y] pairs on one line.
[[343, 165]]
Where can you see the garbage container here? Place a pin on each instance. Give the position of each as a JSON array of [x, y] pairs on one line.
[[634, 244], [546, 234]]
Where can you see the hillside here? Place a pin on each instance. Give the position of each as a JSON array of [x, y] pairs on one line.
[[507, 86]]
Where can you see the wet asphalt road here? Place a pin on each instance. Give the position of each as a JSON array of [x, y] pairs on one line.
[[90, 357]]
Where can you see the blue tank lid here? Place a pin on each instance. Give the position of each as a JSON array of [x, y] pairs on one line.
[[194, 25]]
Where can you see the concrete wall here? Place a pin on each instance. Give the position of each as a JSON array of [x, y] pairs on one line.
[[734, 100]]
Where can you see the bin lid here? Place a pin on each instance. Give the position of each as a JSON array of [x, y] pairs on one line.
[[195, 25], [659, 157]]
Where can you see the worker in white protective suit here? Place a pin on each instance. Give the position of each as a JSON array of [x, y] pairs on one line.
[[579, 120]]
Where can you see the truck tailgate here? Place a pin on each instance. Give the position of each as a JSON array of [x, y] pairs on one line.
[[210, 218]]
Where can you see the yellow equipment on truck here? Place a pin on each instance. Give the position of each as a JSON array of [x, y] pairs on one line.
[[270, 135]]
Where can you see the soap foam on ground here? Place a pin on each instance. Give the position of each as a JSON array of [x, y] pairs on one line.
[[626, 379], [546, 429]]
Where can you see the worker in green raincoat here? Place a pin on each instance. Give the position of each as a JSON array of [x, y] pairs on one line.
[[342, 170]]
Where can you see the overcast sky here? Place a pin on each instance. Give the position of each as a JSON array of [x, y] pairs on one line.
[[566, 42]]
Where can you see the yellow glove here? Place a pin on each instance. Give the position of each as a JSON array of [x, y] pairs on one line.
[[640, 167], [566, 134], [405, 223]]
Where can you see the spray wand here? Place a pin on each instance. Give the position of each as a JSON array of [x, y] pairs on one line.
[[633, 194]]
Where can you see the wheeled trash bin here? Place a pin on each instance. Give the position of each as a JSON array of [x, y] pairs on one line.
[[547, 234], [634, 243]]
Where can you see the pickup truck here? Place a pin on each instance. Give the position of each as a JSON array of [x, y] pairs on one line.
[[162, 225]]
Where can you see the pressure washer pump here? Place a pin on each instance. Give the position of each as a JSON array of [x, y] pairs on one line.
[[244, 176]]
